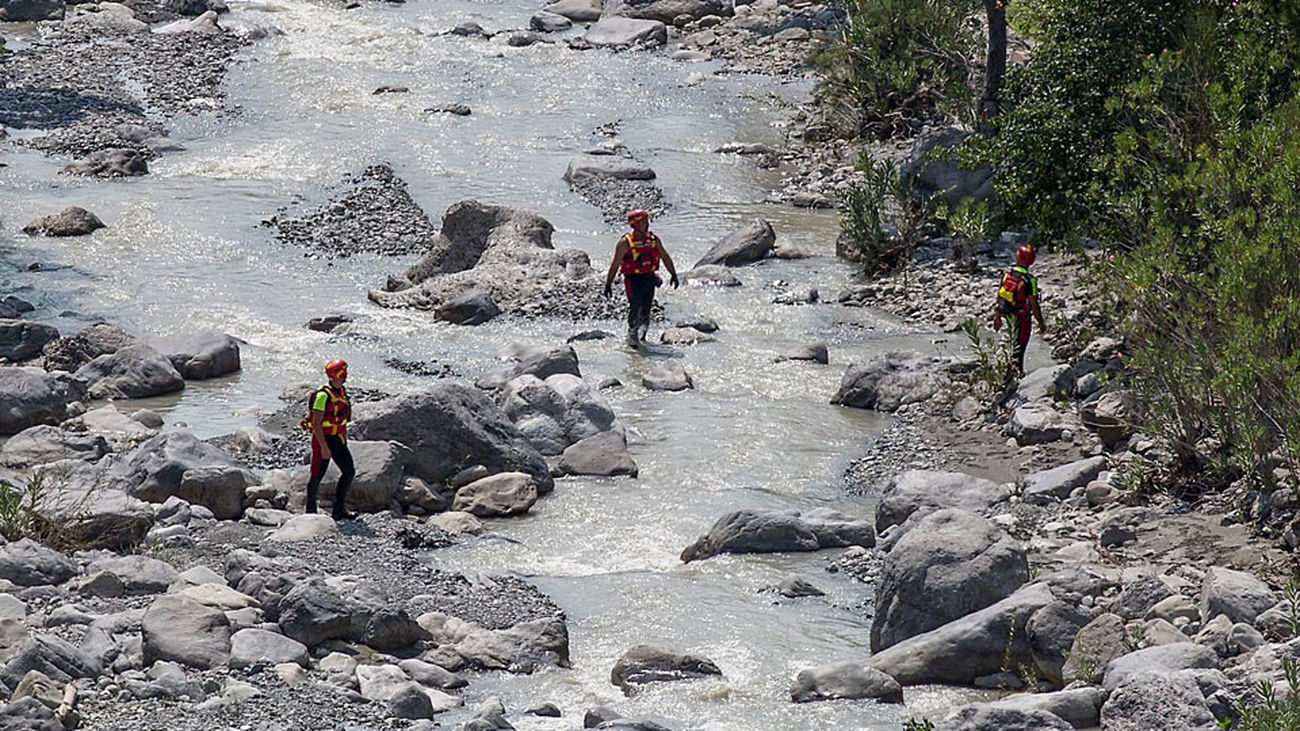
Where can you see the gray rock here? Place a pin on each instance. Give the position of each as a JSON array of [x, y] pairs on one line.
[[588, 167], [72, 221], [952, 563], [1052, 631], [28, 563], [136, 371], [996, 718], [1050, 382], [934, 174], [22, 340], [474, 307], [1097, 644], [71, 353], [410, 701], [1112, 416], [308, 527], [976, 645], [1241, 596], [1157, 703], [712, 276], [666, 11], [450, 427], [262, 647], [181, 630], [917, 493], [175, 463], [670, 376], [313, 612], [889, 381], [1058, 482], [52, 656], [14, 11], [746, 246], [548, 22], [604, 455], [545, 710], [199, 356], [1079, 707], [1036, 423], [844, 680], [1160, 660], [378, 479], [504, 494], [815, 352], [1140, 595], [29, 714], [796, 586], [647, 664], [138, 574], [94, 517], [43, 444], [579, 11], [431, 675], [773, 531], [626, 32], [523, 648]]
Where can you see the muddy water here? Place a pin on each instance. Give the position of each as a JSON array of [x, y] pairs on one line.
[[184, 250]]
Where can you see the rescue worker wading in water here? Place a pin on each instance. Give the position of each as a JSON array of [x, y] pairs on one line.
[[1018, 300], [330, 411], [637, 256]]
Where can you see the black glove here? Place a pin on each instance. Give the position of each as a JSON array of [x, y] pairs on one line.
[[673, 281], [609, 290]]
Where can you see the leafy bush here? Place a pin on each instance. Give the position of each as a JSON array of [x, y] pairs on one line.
[[993, 356], [1269, 711], [902, 64]]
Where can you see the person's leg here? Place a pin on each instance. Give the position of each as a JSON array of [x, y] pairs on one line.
[[318, 466], [1022, 342], [632, 311], [342, 458], [644, 286]]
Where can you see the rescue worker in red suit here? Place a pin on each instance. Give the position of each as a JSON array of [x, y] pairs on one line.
[[638, 256], [330, 411], [1018, 300]]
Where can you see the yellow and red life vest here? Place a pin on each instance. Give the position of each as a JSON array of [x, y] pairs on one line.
[[336, 414], [642, 256], [1018, 285]]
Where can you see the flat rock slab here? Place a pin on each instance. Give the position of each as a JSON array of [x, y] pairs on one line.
[[617, 32], [1058, 482], [308, 527], [604, 167], [777, 531], [844, 680], [602, 455], [263, 647]]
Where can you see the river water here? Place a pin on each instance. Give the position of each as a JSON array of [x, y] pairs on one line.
[[184, 250]]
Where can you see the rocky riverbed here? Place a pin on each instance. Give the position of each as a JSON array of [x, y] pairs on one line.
[[172, 581]]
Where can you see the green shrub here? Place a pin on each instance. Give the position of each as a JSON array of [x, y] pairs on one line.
[[901, 64], [1268, 711]]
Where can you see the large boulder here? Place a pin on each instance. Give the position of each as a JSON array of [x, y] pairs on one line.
[[118, 162], [915, 494], [933, 174], [1158, 703], [889, 381], [136, 371], [1241, 596], [177, 463], [31, 396], [450, 427], [16, 11], [97, 517], [746, 246], [470, 229], [1113, 415], [1050, 382], [579, 11], [28, 563], [71, 221], [997, 718], [39, 445], [949, 565], [522, 648], [71, 353], [1052, 632], [507, 493], [775, 531], [1079, 707], [52, 656], [28, 713], [314, 612], [1158, 660], [137, 574], [844, 680], [587, 167], [1058, 482], [648, 664], [617, 32], [179, 629], [199, 356], [1036, 423], [262, 647], [474, 307], [556, 412], [669, 376], [1097, 643], [976, 645], [22, 340], [603, 455]]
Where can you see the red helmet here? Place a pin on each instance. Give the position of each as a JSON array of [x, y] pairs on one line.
[[1025, 254], [337, 369], [639, 214]]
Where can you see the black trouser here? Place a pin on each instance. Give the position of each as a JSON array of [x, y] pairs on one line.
[[640, 290], [343, 458]]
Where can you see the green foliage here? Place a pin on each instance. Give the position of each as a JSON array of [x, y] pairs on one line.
[[1291, 595], [1268, 711], [992, 359], [968, 224], [862, 207], [901, 64], [19, 508], [918, 724]]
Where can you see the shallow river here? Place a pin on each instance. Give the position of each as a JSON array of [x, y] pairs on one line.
[[184, 250]]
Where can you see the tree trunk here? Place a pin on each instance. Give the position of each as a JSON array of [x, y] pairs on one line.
[[995, 67]]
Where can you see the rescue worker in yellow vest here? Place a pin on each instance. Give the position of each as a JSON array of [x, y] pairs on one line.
[[330, 411], [638, 256], [1018, 300]]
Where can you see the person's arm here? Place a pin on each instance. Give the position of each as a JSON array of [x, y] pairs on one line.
[[997, 314], [668, 264], [1038, 314], [619, 252]]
